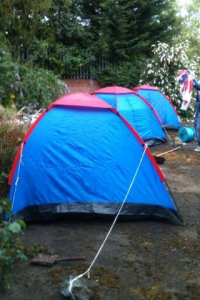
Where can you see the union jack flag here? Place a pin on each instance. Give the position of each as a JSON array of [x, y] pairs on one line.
[[186, 86]]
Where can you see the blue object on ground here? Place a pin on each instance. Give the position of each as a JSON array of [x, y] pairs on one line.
[[186, 134]]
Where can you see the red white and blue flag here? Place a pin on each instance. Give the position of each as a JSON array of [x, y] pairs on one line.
[[186, 86]]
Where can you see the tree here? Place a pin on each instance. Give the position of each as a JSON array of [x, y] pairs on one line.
[[128, 29], [113, 40], [64, 43], [65, 35], [190, 28], [65, 18], [123, 74], [21, 20]]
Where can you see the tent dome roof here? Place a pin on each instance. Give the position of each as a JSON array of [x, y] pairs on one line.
[[113, 90]]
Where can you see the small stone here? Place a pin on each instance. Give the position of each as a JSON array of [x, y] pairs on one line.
[[80, 291]]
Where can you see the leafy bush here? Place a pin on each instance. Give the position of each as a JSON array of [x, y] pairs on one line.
[[11, 248], [8, 76], [126, 74], [58, 58], [39, 86], [22, 84], [11, 135], [161, 71]]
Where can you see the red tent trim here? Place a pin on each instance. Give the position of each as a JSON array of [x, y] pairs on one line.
[[124, 91], [147, 150], [150, 106], [145, 87], [84, 100], [112, 90]]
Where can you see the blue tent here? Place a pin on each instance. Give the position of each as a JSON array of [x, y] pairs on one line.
[[137, 111], [162, 105], [79, 157]]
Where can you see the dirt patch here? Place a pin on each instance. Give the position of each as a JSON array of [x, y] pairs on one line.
[[181, 157], [142, 260]]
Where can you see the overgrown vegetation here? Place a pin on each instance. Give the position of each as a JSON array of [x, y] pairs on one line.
[[21, 84], [8, 80], [11, 135], [39, 86], [162, 68], [11, 249], [124, 74]]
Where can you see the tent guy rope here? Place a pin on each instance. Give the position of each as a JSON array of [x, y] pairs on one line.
[[87, 272]]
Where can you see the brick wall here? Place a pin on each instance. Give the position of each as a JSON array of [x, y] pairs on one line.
[[82, 85]]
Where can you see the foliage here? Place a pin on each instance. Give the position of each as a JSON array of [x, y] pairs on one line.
[[57, 57], [39, 86], [123, 32], [21, 20], [58, 34], [64, 36], [8, 75], [161, 71], [11, 134], [125, 74], [11, 248], [21, 84], [128, 28], [191, 26], [66, 21], [114, 35]]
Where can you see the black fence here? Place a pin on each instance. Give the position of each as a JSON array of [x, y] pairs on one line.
[[90, 71], [85, 72]]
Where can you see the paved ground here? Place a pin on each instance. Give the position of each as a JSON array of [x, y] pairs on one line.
[[143, 260]]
